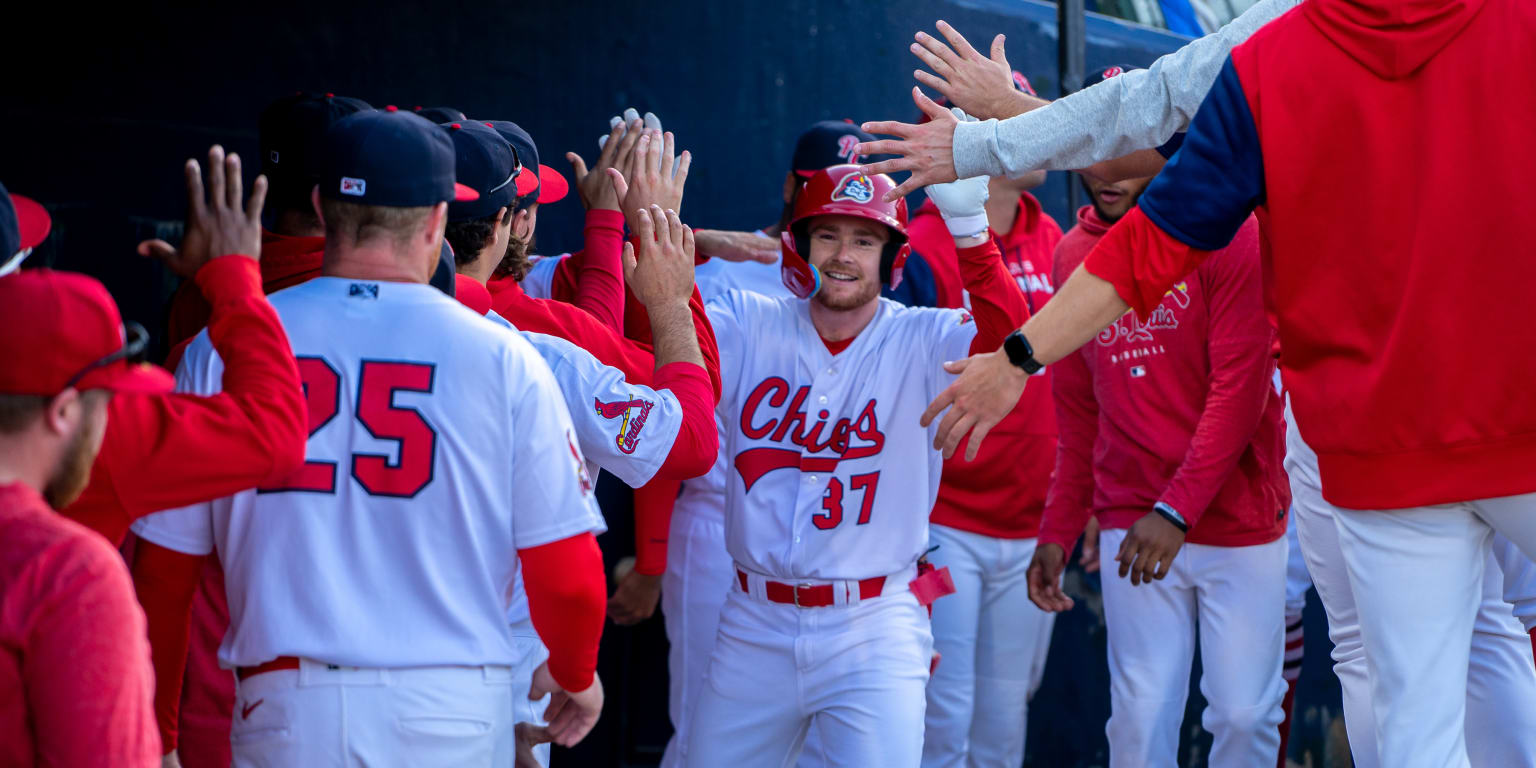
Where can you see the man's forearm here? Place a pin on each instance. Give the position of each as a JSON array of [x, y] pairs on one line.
[[672, 335], [1076, 314]]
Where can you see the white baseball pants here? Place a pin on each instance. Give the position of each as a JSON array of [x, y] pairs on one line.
[[693, 589], [533, 653], [1482, 708], [1236, 596], [993, 644], [322, 716], [858, 670]]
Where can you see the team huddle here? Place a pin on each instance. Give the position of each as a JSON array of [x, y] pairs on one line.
[[359, 520]]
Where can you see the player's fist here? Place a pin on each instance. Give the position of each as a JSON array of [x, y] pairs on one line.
[[1148, 549], [570, 715], [1044, 578], [662, 271]]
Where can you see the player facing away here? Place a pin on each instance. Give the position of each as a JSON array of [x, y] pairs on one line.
[[832, 480], [367, 591]]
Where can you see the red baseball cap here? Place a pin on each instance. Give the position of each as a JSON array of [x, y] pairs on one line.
[[23, 225], [74, 337]]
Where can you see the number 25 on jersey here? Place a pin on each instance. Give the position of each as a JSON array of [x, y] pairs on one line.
[[378, 381]]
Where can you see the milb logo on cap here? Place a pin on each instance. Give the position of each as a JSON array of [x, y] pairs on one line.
[[856, 187], [354, 187]]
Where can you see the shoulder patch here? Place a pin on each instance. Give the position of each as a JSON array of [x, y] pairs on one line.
[[632, 415]]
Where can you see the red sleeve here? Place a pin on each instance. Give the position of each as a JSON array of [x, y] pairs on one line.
[[599, 268], [165, 580], [187, 315], [1242, 371], [166, 451], [653, 519], [1141, 261], [85, 666], [997, 303], [693, 452], [1070, 500], [568, 601]]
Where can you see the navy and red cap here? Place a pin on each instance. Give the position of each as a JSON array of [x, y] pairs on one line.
[[825, 144], [76, 338], [292, 130], [842, 190], [551, 186], [24, 223], [394, 159], [486, 163]]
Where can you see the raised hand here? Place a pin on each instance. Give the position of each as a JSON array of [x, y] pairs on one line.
[[219, 225], [596, 192], [662, 272], [737, 246], [570, 715], [987, 389], [1148, 550], [926, 150], [980, 85], [655, 176]]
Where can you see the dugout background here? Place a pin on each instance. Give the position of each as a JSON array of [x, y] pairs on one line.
[[101, 106]]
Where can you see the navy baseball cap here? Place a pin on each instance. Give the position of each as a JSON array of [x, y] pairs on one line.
[[1100, 75], [292, 132], [393, 159], [825, 144], [23, 225], [551, 186], [441, 114], [486, 163]]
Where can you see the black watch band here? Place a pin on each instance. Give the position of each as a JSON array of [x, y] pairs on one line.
[[1020, 353]]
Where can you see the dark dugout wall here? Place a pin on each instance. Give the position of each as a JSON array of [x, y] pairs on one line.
[[101, 106]]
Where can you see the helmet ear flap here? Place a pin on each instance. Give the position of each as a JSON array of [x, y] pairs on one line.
[[799, 276], [892, 261]]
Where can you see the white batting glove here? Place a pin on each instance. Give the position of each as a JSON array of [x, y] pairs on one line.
[[962, 203], [631, 114]]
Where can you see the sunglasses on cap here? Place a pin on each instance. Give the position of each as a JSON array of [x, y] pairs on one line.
[[135, 345]]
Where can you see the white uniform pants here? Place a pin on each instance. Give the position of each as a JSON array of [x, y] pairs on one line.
[[858, 670], [322, 717], [992, 641], [1236, 595], [533, 653], [694, 587], [1472, 693]]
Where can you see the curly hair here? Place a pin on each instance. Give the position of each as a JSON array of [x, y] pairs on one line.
[[514, 262], [468, 238]]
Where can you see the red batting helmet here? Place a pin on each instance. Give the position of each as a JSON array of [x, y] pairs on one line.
[[843, 190]]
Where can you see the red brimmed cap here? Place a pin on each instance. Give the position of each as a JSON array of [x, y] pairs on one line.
[[63, 330], [23, 224]]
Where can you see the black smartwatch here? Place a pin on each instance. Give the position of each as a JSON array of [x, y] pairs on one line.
[[1021, 354]]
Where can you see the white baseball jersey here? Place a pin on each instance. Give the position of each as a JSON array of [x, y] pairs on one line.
[[540, 280], [831, 476], [627, 429], [439, 446]]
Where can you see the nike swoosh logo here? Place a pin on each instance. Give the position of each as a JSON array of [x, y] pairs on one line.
[[245, 711]]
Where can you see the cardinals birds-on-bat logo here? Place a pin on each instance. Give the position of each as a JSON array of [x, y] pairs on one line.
[[629, 428], [856, 187]]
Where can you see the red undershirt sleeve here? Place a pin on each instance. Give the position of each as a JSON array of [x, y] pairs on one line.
[[693, 451], [567, 601], [996, 301], [653, 519], [600, 268], [164, 580]]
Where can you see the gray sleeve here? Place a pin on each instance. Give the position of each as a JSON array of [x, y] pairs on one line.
[[1140, 109]]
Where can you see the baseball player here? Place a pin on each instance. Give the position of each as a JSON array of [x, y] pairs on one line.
[[1171, 436], [1451, 474], [418, 516], [992, 639], [827, 503], [698, 569], [74, 686]]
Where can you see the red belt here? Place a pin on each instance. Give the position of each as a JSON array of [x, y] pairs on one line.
[[808, 596], [279, 663]]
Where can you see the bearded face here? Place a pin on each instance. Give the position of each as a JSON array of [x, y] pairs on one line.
[[846, 250], [73, 471]]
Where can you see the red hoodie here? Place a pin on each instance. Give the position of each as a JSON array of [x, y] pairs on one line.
[[1002, 492], [1178, 408], [1375, 132]]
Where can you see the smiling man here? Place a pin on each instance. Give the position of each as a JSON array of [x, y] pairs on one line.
[[831, 479]]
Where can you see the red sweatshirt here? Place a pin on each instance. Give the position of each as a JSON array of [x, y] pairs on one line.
[[1002, 492], [1179, 408], [1375, 133], [75, 683], [167, 451]]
